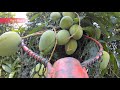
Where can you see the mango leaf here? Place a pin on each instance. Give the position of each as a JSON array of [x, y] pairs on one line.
[[101, 41], [32, 72], [35, 16], [11, 75], [118, 50], [0, 72], [97, 33], [15, 63], [102, 26], [114, 38], [118, 59], [105, 47], [113, 62], [6, 68], [89, 30], [37, 67], [103, 72], [36, 76], [41, 72], [18, 66], [38, 28], [9, 65]]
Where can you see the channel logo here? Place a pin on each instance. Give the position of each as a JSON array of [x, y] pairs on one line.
[[12, 20]]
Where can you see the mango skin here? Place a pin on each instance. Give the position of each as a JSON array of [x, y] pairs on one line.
[[71, 14], [77, 30], [55, 16], [62, 37], [105, 60], [47, 41], [66, 22], [9, 43], [71, 47]]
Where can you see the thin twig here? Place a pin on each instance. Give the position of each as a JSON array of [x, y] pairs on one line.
[[33, 34], [54, 46]]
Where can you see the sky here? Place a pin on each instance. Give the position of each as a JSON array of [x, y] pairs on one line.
[[20, 15]]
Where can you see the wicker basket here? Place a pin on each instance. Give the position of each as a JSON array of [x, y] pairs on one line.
[[89, 52]]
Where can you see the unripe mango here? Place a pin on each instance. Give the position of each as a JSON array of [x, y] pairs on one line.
[[55, 16], [66, 22], [9, 43], [62, 37], [71, 14], [105, 60], [71, 47], [47, 41], [76, 31]]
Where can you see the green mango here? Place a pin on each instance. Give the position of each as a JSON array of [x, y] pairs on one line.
[[76, 31], [47, 41], [62, 37], [9, 43], [55, 16], [71, 14], [105, 60], [71, 47], [66, 22]]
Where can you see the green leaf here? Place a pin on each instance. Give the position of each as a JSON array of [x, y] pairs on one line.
[[37, 67], [6, 68], [9, 65], [102, 26], [41, 70], [0, 72], [97, 33], [18, 66], [14, 65], [113, 62], [118, 50], [36, 76], [34, 17], [102, 41], [32, 72], [89, 30], [11, 75], [103, 72], [38, 28], [105, 47], [114, 38]]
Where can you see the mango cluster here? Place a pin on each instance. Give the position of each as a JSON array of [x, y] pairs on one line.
[[68, 35]]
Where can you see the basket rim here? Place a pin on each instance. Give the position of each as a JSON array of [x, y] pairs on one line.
[[85, 63]]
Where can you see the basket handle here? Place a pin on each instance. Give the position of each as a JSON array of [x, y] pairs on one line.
[[33, 54]]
